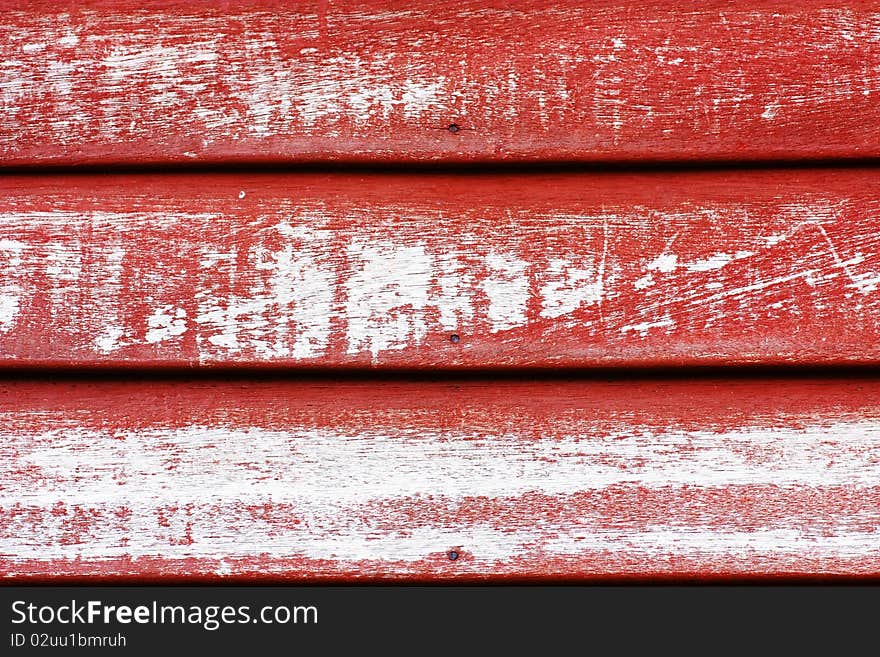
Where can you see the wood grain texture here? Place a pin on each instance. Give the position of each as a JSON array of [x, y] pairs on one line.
[[778, 267], [116, 81], [351, 480]]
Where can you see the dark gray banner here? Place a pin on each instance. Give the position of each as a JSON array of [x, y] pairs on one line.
[[412, 620]]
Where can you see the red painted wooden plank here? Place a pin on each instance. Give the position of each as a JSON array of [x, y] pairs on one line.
[[384, 480], [272, 81], [774, 267]]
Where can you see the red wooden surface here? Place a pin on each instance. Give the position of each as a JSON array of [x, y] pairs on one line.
[[272, 479], [116, 81], [778, 267], [490, 478]]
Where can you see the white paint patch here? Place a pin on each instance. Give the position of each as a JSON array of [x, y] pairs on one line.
[[69, 40], [568, 288], [288, 310], [9, 308], [644, 282], [303, 283], [202, 481], [507, 288], [13, 250], [109, 339], [11, 289], [419, 97], [717, 261], [387, 293], [165, 323], [773, 240], [455, 300], [664, 263], [108, 293], [226, 340]]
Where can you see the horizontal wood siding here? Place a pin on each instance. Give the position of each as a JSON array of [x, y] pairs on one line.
[[113, 81], [774, 267], [487, 479], [154, 219]]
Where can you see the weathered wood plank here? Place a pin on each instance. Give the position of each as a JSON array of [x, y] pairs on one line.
[[113, 81], [392, 480], [441, 271]]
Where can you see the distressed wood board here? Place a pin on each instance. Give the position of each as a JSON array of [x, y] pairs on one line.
[[116, 81], [411, 271], [345, 480]]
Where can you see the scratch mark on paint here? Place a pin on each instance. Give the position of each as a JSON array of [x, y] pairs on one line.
[[756, 287], [864, 286], [644, 327], [716, 261]]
